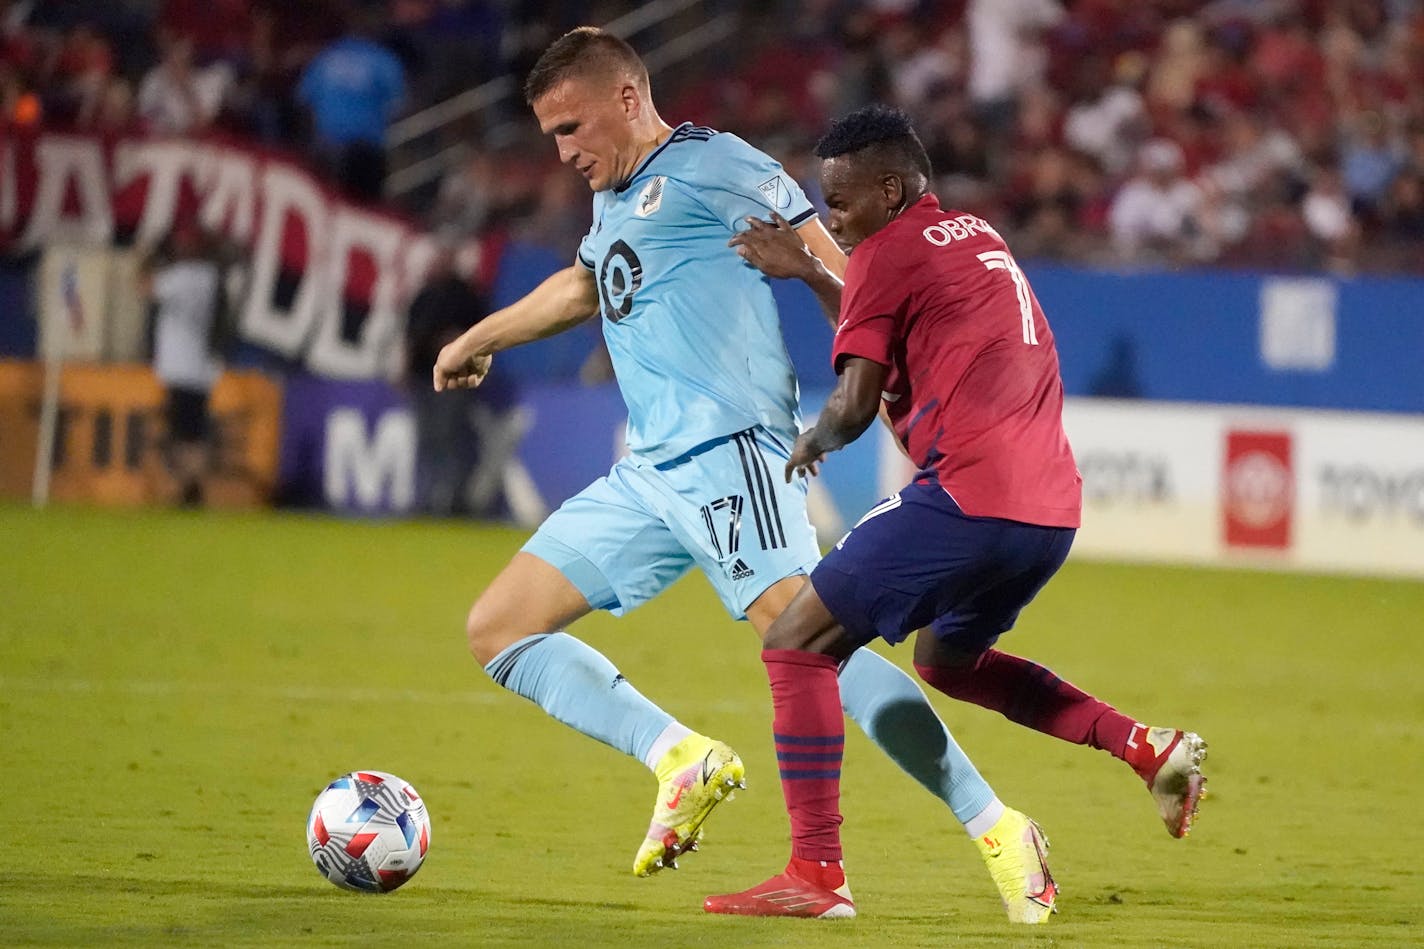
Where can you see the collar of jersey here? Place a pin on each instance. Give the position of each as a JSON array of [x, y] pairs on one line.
[[927, 200], [651, 155]]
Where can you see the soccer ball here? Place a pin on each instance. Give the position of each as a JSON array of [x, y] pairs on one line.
[[368, 831]]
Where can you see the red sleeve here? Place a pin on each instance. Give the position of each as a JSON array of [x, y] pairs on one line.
[[870, 306]]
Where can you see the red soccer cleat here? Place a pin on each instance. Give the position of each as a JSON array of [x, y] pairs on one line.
[[791, 894], [1169, 761]]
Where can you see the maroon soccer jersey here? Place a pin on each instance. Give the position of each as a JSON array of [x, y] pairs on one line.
[[973, 390]]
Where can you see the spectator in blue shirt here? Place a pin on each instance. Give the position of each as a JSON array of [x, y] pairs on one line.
[[1369, 162], [352, 88]]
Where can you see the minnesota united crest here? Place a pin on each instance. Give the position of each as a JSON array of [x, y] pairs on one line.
[[652, 197]]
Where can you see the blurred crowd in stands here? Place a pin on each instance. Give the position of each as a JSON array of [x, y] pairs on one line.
[[1282, 134]]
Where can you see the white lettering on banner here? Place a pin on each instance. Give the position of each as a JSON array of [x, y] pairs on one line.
[[1128, 476], [58, 188], [164, 163], [285, 191], [372, 354], [379, 471], [418, 252], [1363, 494], [65, 160], [229, 187]]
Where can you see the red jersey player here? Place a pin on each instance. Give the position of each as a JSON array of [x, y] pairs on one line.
[[938, 323]]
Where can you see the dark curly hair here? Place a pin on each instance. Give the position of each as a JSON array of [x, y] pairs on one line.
[[886, 131]]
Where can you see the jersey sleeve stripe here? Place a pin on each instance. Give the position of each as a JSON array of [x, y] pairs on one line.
[[801, 218]]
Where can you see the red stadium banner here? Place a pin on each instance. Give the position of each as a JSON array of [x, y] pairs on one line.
[[1258, 490], [329, 279]]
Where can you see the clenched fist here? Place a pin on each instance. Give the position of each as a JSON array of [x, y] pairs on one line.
[[457, 368]]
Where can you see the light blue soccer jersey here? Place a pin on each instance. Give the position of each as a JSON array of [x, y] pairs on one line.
[[692, 328]]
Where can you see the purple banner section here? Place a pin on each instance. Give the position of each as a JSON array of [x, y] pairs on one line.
[[347, 446], [574, 434], [351, 448]]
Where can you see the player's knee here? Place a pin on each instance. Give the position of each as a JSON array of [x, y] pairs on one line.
[[485, 633], [950, 673], [806, 626], [787, 634]]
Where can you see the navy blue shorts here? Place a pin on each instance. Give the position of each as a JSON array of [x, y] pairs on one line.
[[916, 560]]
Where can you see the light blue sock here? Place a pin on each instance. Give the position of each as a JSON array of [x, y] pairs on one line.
[[574, 683], [891, 708]]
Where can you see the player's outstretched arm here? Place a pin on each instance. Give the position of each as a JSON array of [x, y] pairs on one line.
[[848, 413], [563, 301], [820, 242], [807, 253]]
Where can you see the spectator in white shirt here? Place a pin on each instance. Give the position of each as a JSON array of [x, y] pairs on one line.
[[1110, 126], [1155, 215], [185, 286], [1331, 221], [1007, 52], [176, 98]]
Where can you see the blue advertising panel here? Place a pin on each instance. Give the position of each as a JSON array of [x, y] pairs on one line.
[[1197, 336]]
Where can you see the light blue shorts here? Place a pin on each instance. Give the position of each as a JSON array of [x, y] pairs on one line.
[[725, 508]]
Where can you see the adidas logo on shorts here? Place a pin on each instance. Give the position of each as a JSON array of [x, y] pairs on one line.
[[740, 570]]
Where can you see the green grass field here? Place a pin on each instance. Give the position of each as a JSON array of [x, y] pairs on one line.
[[175, 689]]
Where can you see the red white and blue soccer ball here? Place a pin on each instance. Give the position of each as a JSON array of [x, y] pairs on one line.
[[368, 831]]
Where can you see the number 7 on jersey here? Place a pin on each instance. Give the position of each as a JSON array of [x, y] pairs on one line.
[[1003, 260]]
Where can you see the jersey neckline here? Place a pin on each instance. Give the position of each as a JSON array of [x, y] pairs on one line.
[[643, 166]]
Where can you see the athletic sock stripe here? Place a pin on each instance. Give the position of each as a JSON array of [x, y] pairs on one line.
[[751, 492], [775, 507], [809, 775], [808, 739], [500, 668], [792, 757]]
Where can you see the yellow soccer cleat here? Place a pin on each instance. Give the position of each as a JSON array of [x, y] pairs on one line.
[[694, 776], [1015, 852]]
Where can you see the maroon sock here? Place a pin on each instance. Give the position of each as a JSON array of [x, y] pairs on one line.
[[1027, 693], [809, 728]]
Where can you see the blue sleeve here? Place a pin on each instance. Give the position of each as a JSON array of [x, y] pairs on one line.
[[739, 181]]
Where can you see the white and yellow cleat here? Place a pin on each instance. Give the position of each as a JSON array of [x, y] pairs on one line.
[[1015, 851], [696, 775]]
